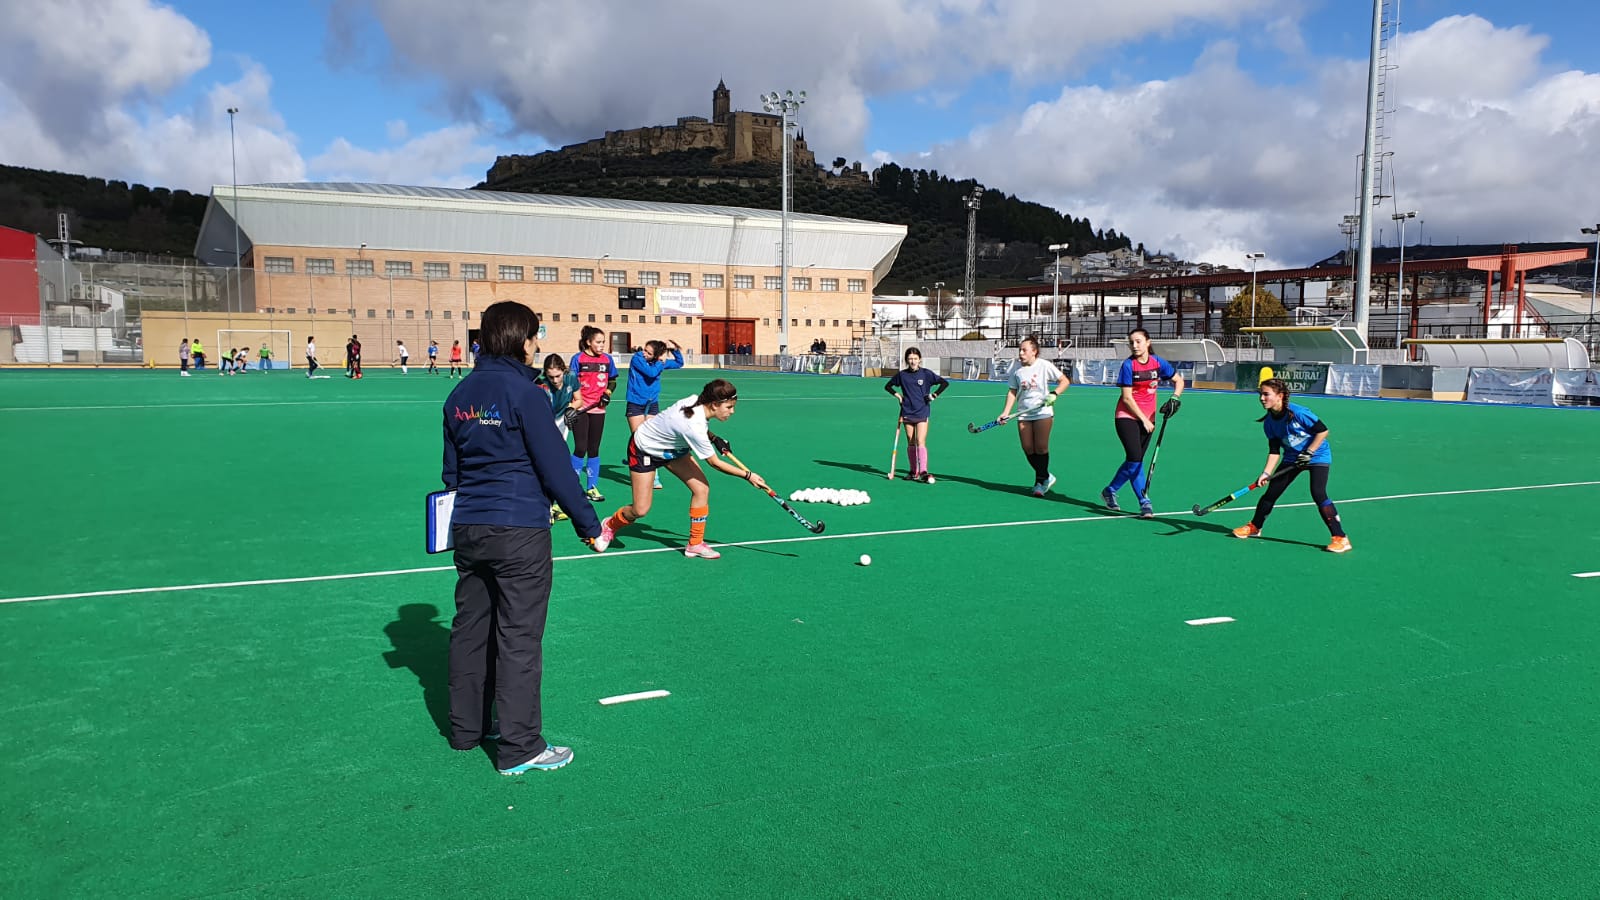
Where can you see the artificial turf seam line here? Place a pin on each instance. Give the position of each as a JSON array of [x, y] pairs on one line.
[[788, 540]]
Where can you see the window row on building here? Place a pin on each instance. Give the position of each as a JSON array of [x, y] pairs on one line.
[[366, 268], [550, 317]]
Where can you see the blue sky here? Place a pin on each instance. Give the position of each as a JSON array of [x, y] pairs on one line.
[[1208, 127]]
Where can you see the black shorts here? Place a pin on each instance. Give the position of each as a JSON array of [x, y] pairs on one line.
[[653, 408], [638, 462]]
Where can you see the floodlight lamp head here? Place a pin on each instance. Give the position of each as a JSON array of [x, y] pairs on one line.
[[1594, 230], [232, 110], [1254, 255]]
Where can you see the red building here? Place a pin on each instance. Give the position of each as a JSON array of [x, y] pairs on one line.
[[20, 286]]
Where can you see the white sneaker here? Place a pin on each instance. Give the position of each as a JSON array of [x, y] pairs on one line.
[[605, 538], [1049, 483], [702, 550]]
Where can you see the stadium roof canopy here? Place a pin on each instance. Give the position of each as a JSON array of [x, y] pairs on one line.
[[456, 220]]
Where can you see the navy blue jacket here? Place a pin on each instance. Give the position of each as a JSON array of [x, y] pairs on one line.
[[502, 454]]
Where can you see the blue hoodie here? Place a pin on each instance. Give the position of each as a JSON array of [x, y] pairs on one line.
[[502, 454], [644, 377]]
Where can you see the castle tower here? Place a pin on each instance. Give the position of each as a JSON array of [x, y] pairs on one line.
[[721, 104]]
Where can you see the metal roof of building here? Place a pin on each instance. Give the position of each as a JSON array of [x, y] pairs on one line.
[[443, 220]]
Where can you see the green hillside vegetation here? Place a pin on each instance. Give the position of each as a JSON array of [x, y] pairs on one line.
[[109, 214]]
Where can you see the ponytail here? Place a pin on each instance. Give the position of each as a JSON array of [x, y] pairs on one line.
[[715, 391]]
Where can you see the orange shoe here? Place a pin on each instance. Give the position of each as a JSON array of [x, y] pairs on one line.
[[1339, 545], [1247, 530]]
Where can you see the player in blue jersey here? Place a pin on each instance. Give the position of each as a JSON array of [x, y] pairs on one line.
[[644, 383], [918, 389], [1294, 432]]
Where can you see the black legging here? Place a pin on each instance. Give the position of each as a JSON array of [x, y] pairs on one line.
[[1275, 489], [1135, 440], [586, 434]]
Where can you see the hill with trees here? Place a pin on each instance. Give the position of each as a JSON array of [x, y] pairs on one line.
[[113, 215]]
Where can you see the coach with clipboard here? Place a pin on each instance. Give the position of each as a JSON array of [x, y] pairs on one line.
[[504, 463]]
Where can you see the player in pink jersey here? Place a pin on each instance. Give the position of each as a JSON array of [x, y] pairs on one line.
[[1135, 416]]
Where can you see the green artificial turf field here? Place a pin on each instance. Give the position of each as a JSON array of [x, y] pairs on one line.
[[1007, 702]]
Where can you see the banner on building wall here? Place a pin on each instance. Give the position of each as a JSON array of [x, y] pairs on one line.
[[1302, 378], [1355, 381], [679, 302], [1577, 387], [1528, 387]]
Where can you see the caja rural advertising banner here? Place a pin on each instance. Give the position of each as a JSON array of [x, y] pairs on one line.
[[679, 302], [1527, 387], [1302, 378]]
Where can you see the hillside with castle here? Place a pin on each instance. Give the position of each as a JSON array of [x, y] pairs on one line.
[[736, 146]]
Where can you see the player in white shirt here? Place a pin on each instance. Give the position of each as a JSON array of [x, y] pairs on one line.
[[1036, 383], [676, 439], [311, 357], [403, 355]]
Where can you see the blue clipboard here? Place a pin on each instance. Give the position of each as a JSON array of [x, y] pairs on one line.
[[441, 504]]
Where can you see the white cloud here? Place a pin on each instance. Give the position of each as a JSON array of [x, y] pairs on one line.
[[568, 70], [1214, 163], [448, 157]]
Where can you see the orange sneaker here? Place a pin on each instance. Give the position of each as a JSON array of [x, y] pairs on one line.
[[1339, 545], [1247, 530]]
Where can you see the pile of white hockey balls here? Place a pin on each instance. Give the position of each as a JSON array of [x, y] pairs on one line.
[[831, 495]]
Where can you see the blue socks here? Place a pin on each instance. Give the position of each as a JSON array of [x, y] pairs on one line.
[[594, 470], [1133, 471]]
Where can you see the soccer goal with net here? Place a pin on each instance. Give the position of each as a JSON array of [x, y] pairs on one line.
[[278, 342]]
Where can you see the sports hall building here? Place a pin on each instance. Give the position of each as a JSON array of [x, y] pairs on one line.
[[420, 263]]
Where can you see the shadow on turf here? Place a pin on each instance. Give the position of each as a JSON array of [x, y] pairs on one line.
[[1020, 490], [422, 644]]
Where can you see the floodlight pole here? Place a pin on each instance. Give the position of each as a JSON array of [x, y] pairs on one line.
[[1400, 276], [1594, 283], [238, 259], [1254, 258], [787, 105], [973, 201], [1055, 295], [1363, 286]]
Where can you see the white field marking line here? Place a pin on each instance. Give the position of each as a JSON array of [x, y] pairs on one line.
[[629, 698], [369, 402], [1426, 636], [758, 543], [1214, 620], [1586, 574]]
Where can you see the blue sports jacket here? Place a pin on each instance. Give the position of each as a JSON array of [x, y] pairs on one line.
[[644, 377], [502, 454]]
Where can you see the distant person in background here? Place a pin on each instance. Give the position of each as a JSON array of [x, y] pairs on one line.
[[265, 354], [199, 353], [225, 364], [596, 374], [311, 357], [350, 357], [433, 357], [455, 358], [644, 383], [183, 358], [475, 351], [403, 355], [355, 349], [241, 359]]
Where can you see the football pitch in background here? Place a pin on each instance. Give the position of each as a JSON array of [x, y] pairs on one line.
[[224, 657]]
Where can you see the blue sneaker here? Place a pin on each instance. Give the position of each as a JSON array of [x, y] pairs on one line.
[[1109, 498], [552, 758], [1146, 511]]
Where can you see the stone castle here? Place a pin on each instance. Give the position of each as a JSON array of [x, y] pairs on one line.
[[737, 138]]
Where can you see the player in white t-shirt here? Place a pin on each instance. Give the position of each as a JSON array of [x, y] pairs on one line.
[[311, 357], [677, 439], [1036, 383], [403, 356]]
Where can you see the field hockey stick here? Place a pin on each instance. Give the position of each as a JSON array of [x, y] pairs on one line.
[[814, 529], [1150, 476], [979, 429], [895, 453], [1202, 510]]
